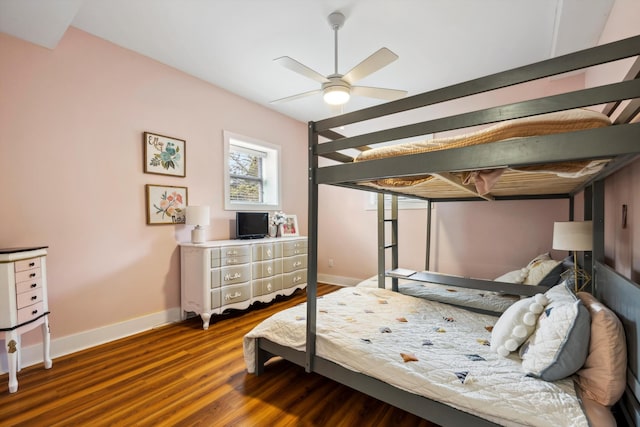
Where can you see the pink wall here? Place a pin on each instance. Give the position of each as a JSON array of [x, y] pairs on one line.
[[71, 124]]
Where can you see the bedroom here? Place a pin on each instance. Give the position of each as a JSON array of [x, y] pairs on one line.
[[116, 249]]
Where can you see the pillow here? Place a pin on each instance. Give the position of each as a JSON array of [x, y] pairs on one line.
[[516, 276], [542, 257], [544, 273], [516, 324], [604, 374], [559, 345]]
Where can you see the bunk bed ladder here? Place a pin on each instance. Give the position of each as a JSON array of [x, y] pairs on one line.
[[382, 240]]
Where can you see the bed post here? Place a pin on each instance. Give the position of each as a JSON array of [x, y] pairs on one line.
[[597, 215], [312, 266], [427, 257], [381, 249]]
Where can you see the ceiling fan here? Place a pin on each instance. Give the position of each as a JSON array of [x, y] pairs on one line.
[[337, 88]]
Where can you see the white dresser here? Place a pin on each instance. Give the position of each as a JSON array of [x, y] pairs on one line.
[[23, 303], [232, 274]]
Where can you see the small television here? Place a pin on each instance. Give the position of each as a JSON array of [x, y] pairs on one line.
[[252, 225]]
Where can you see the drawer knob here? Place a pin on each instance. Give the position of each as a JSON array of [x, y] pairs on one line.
[[33, 298], [33, 285], [34, 312], [32, 264], [32, 275]]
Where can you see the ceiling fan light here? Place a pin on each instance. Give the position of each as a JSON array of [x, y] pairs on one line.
[[336, 95]]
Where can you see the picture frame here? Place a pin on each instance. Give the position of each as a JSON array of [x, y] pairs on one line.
[[166, 204], [164, 155], [290, 226]]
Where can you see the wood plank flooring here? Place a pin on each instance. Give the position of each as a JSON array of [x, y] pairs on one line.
[[182, 375]]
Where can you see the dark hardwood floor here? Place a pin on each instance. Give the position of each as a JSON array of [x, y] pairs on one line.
[[182, 375]]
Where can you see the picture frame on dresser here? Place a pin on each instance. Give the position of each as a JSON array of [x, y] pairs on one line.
[[164, 155], [290, 226], [165, 204]]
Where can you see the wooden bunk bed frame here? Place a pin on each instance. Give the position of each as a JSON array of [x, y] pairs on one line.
[[622, 147]]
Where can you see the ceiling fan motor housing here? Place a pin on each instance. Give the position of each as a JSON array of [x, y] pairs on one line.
[[336, 91]]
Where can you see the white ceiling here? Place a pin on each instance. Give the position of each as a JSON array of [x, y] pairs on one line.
[[232, 43]]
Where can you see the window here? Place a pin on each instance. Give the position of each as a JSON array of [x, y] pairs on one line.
[[251, 175]]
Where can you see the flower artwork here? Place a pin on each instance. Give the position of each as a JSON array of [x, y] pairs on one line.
[[166, 204], [164, 155]]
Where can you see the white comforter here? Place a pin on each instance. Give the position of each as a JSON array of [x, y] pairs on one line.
[[432, 349]]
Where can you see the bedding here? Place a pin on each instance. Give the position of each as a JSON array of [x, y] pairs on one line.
[[465, 297], [544, 124], [431, 349]]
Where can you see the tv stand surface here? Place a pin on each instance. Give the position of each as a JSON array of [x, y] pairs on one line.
[[221, 275]]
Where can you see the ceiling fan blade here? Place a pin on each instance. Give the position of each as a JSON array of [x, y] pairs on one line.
[[298, 96], [378, 92], [299, 68], [373, 63]]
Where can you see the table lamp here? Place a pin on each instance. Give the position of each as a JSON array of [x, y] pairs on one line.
[[574, 236], [198, 216]]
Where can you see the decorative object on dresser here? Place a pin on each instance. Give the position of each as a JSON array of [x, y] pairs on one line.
[[290, 226], [574, 236], [165, 204], [198, 216], [232, 274], [23, 303], [164, 155]]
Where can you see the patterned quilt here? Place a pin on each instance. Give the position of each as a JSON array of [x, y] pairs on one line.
[[431, 349]]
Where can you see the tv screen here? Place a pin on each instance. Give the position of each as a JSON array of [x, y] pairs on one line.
[[252, 225]]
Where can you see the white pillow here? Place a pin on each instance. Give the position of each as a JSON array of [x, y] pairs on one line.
[[539, 270], [515, 276], [516, 324], [560, 343]]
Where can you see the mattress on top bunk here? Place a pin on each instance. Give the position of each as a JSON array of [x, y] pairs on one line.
[[435, 350], [472, 298], [544, 124]]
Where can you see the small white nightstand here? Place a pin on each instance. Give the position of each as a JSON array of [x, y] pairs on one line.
[[23, 303]]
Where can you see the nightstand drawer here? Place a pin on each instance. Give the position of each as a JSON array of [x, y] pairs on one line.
[[235, 293], [26, 264], [29, 298], [294, 263], [23, 276], [29, 285], [31, 312]]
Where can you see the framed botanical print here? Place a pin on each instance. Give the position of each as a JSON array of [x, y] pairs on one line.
[[166, 204], [164, 155]]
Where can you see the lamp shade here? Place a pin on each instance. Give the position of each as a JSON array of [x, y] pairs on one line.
[[573, 236], [197, 215], [336, 95]]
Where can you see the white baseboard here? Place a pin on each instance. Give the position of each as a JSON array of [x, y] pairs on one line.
[[338, 280], [32, 355]]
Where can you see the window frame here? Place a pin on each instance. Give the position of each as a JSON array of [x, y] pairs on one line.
[[271, 166]]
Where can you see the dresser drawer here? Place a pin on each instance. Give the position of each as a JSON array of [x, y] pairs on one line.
[[29, 285], [215, 298], [26, 264], [29, 298], [267, 286], [29, 313], [267, 251], [294, 279], [294, 263], [235, 293], [266, 268], [23, 276], [235, 274], [235, 260], [296, 247], [235, 251], [215, 257]]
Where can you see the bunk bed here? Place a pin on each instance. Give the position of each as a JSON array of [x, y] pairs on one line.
[[441, 176]]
